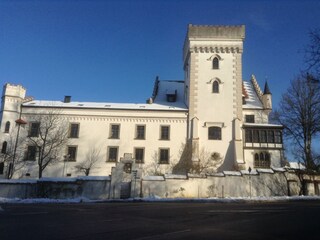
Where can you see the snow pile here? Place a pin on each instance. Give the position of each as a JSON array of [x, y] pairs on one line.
[[155, 198]]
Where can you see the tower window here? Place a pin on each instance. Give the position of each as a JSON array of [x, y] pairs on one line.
[[214, 133], [215, 87], [4, 147], [215, 63], [7, 127], [249, 118]]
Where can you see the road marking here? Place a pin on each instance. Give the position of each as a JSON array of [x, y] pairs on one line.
[[29, 213], [163, 235]]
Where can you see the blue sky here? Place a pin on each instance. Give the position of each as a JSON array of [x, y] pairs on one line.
[[112, 51]]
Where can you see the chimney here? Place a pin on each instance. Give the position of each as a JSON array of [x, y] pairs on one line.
[[67, 99]]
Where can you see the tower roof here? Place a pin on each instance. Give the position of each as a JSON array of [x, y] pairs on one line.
[[266, 89]]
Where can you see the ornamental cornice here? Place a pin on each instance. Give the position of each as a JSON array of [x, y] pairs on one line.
[[125, 119], [217, 49]]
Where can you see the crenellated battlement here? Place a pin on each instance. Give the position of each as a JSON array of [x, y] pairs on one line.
[[14, 90], [216, 31]]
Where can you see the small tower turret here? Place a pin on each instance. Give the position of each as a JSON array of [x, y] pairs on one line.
[[267, 97]]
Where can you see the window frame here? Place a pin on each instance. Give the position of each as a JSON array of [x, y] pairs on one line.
[[215, 63], [7, 127], [214, 133], [109, 152], [215, 86], [34, 131], [250, 118], [262, 160], [72, 158], [111, 133], [4, 147], [72, 132], [137, 135], [31, 151], [163, 135], [166, 159], [135, 154]]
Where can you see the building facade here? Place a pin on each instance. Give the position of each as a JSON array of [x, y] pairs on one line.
[[212, 119]]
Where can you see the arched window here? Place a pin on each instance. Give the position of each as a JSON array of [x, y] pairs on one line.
[[262, 160], [1, 167], [215, 63], [7, 127], [215, 87], [4, 147], [214, 133]]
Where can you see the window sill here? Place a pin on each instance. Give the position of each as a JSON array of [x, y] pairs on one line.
[[111, 161]]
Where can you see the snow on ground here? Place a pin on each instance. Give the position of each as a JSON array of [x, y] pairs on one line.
[[158, 199]]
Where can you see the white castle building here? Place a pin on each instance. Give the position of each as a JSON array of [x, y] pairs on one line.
[[211, 115]]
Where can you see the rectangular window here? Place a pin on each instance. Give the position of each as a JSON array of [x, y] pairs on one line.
[[164, 156], [277, 136], [249, 118], [214, 133], [115, 131], [165, 133], [140, 132], [139, 155], [112, 154], [74, 130], [270, 136], [255, 136], [31, 153], [263, 136], [72, 153], [249, 136], [34, 129]]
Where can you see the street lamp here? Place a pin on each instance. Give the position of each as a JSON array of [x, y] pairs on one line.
[[65, 166], [11, 165], [249, 170]]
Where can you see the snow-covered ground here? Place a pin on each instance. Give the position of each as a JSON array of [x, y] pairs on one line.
[[158, 199]]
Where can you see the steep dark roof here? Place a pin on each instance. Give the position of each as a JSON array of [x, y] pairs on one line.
[[266, 89]]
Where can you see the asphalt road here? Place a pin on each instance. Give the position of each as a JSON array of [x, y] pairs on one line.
[[154, 220]]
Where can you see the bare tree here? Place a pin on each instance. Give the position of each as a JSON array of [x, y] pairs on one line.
[[313, 52], [12, 153], [154, 169], [92, 157], [299, 113], [48, 134], [207, 161]]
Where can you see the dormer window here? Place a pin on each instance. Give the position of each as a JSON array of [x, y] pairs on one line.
[[215, 63], [171, 96]]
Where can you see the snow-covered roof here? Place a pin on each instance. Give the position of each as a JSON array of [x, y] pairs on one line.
[[262, 125], [160, 102], [169, 87], [252, 100]]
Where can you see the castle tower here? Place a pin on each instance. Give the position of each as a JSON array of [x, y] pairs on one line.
[[213, 91], [12, 98]]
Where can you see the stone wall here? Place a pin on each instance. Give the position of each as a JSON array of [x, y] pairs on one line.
[[242, 184]]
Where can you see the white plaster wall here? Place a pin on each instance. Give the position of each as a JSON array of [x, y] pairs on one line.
[[95, 131]]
